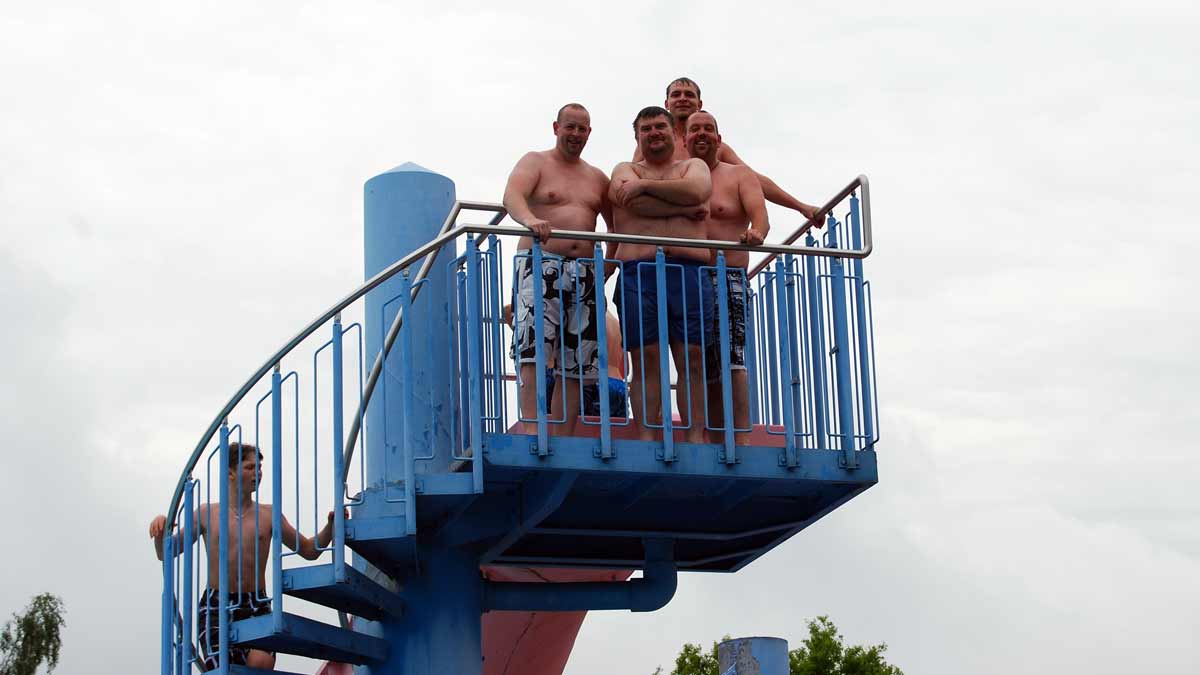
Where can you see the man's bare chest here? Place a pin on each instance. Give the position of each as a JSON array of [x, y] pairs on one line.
[[565, 191]]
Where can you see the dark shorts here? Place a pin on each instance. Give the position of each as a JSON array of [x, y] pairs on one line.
[[735, 284], [618, 398], [568, 311], [208, 624], [689, 307]]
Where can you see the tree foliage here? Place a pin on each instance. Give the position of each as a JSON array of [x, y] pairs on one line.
[[823, 652], [33, 638]]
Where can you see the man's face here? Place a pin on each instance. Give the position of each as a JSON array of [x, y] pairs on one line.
[[572, 130], [654, 136], [249, 472], [701, 137], [682, 100]]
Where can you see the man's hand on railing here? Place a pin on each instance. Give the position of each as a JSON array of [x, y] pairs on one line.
[[752, 237], [326, 534], [540, 228], [158, 528]]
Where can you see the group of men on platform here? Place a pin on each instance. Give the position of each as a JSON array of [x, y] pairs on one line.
[[685, 183]]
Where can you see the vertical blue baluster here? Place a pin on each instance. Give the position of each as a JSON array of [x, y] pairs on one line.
[[168, 602], [795, 378], [772, 331], [223, 553], [277, 499], [189, 543], [539, 339], [730, 454], [497, 331], [602, 338], [475, 364], [463, 394], [785, 354], [864, 367], [664, 351], [752, 340], [841, 349], [816, 327], [339, 486], [406, 404]]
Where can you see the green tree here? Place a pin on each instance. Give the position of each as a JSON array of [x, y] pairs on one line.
[[33, 637], [823, 652]]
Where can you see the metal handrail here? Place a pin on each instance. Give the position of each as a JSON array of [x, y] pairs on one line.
[[449, 233], [868, 245]]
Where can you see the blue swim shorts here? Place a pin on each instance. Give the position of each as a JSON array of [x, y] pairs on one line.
[[689, 309]]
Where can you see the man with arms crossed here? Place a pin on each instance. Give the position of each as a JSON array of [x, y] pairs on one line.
[[556, 189], [662, 196], [736, 212], [683, 99], [249, 545]]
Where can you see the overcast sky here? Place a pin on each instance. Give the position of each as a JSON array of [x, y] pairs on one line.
[[171, 171]]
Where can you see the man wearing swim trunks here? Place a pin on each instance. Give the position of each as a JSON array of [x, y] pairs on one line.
[[736, 212], [662, 196], [556, 189], [616, 390], [683, 99], [249, 545]]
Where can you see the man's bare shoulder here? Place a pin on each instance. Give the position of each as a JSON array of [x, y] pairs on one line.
[[626, 166], [534, 158], [691, 164]]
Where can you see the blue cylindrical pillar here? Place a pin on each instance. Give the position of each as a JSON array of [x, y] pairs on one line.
[[753, 656], [403, 209]]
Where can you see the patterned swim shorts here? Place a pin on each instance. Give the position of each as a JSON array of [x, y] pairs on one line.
[[208, 629], [735, 283], [569, 312]]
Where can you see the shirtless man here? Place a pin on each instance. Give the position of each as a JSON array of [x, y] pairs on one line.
[[683, 99], [249, 546], [736, 212], [556, 189], [663, 196]]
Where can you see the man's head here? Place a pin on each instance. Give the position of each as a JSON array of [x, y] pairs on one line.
[[652, 129], [702, 138], [683, 98], [572, 128], [245, 461]]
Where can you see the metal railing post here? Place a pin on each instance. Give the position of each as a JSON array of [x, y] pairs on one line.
[[771, 329], [816, 328], [276, 499], [539, 351], [606, 451], [407, 451], [729, 454], [841, 350], [223, 554], [168, 603], [497, 332], [752, 340], [664, 351], [189, 545], [791, 458], [339, 485], [475, 364], [860, 306]]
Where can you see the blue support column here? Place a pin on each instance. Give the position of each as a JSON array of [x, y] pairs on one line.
[[664, 358], [860, 306], [339, 486], [756, 655], [276, 500], [223, 554], [729, 456], [606, 451]]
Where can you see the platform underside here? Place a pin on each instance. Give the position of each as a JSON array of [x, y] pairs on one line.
[[570, 508]]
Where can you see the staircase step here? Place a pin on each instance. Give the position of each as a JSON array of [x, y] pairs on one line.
[[384, 542], [306, 637], [356, 595]]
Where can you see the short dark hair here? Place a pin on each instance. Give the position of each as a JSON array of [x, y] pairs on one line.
[[573, 106], [649, 112], [718, 127], [238, 450], [683, 80]]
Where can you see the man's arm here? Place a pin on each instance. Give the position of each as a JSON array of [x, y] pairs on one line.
[[521, 183], [158, 530], [692, 188], [771, 191], [648, 205], [307, 548], [751, 194]]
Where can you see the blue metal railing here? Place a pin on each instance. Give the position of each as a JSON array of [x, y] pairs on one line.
[[793, 311]]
